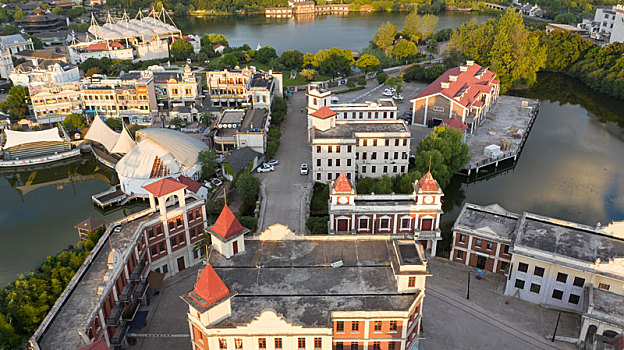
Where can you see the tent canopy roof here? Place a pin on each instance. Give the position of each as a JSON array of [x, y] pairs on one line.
[[183, 147], [17, 138], [100, 132], [124, 143]]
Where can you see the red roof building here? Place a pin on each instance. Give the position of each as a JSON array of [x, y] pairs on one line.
[[323, 113], [227, 225], [428, 184], [465, 92], [113, 45], [164, 187], [342, 184], [209, 288], [191, 184]]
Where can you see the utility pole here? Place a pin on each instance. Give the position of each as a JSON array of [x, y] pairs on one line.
[[556, 326], [468, 292]]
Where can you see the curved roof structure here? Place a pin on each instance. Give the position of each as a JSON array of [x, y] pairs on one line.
[[184, 148], [17, 138], [102, 133], [124, 143], [124, 28], [148, 160]]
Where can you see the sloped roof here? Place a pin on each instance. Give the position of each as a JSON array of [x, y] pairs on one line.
[[428, 184], [147, 160], [17, 138], [209, 288], [164, 187], [124, 143], [323, 113], [102, 133], [455, 123], [227, 225], [105, 46], [191, 184], [240, 158], [183, 147], [342, 184]]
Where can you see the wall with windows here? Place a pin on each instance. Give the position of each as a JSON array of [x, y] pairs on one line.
[[483, 253]]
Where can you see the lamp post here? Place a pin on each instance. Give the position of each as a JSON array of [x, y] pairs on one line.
[[468, 291], [556, 326]]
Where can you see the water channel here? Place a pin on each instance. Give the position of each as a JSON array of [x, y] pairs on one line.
[[571, 167]]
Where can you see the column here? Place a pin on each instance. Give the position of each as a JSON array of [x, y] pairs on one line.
[[374, 222], [469, 249], [426, 110], [353, 223], [434, 245], [495, 267], [394, 228]]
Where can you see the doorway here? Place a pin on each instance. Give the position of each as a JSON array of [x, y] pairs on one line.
[[181, 264], [235, 247], [481, 260], [343, 225]]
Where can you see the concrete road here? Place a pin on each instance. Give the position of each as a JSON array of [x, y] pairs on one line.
[[285, 188]]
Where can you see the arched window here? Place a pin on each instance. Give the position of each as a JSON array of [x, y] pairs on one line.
[[591, 331], [610, 334]]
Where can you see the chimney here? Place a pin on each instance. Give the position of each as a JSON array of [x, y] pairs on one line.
[[469, 62], [463, 68], [453, 77], [445, 84]]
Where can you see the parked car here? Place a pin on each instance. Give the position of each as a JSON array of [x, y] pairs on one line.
[[273, 162], [304, 169], [265, 168], [388, 92], [216, 182], [398, 97], [208, 184]]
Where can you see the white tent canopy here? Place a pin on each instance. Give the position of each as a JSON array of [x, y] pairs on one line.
[[183, 147], [100, 132], [139, 163], [16, 138], [124, 143]]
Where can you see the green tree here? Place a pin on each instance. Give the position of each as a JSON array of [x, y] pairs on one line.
[[449, 154], [18, 15], [249, 222], [309, 60], [405, 183], [8, 338], [411, 26], [384, 38], [367, 63], [177, 122], [396, 83], [291, 59], [93, 71], [114, 123], [405, 49], [248, 187], [37, 43], [266, 54], [204, 242], [58, 11], [308, 73], [208, 162], [181, 50], [564, 48], [335, 65], [10, 29], [382, 77], [229, 60], [75, 121], [18, 102], [439, 170]]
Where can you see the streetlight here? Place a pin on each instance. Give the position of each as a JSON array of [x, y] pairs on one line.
[[556, 326], [468, 292]]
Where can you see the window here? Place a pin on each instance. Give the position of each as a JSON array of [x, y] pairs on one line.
[[460, 254], [387, 142], [396, 155], [318, 176], [159, 230], [522, 267], [385, 168], [349, 149], [535, 288], [337, 163], [538, 271], [364, 142], [154, 251], [339, 326], [519, 284], [165, 268], [363, 170], [604, 286], [261, 343], [394, 169], [385, 155], [161, 247], [174, 241], [355, 346], [391, 345], [376, 345], [489, 245], [505, 249], [574, 299], [355, 326], [557, 294], [579, 281], [318, 149], [318, 343], [462, 238], [278, 343], [384, 224], [222, 343], [503, 265], [411, 282], [393, 326], [171, 225], [364, 155], [406, 222], [374, 155], [179, 222], [363, 223], [329, 162], [328, 176], [329, 149], [348, 162], [318, 162], [478, 242], [150, 233], [562, 277], [301, 343], [375, 140], [373, 169], [377, 326], [404, 142], [339, 346]]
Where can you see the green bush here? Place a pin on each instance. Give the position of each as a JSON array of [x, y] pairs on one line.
[[249, 222], [381, 78], [317, 224], [320, 198], [350, 84], [362, 80]]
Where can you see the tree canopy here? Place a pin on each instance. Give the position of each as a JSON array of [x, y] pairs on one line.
[[208, 162], [448, 153], [291, 59], [367, 63], [384, 38], [75, 121], [181, 50], [17, 102], [405, 49], [266, 54], [417, 27]]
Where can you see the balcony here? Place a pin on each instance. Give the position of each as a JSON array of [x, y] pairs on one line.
[[114, 316], [120, 335], [137, 272], [140, 290], [127, 291]]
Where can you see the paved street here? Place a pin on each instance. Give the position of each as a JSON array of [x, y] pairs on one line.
[[488, 320], [285, 187]]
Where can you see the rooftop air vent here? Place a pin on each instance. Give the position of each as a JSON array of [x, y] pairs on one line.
[[445, 84]]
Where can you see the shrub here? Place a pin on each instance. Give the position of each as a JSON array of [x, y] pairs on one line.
[[362, 81], [320, 198], [317, 224], [249, 222], [381, 78], [350, 84]]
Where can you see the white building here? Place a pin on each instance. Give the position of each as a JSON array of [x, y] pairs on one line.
[[247, 87], [607, 25], [43, 72], [10, 45], [238, 129]]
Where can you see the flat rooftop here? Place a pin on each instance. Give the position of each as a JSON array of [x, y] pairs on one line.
[[609, 303], [488, 220], [232, 117], [350, 129], [567, 239], [295, 278], [254, 119]]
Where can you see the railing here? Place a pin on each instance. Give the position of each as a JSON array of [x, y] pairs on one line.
[[119, 335], [114, 316], [127, 291], [137, 272]]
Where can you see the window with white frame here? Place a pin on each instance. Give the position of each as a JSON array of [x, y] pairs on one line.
[[406, 222], [384, 223], [363, 223], [438, 109]]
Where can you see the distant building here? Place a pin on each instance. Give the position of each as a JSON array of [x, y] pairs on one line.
[[9, 46], [193, 186], [607, 24], [278, 12], [245, 87], [112, 283], [51, 103], [238, 129], [40, 55], [218, 48], [415, 215], [171, 87], [303, 7], [41, 21], [239, 161], [466, 92], [564, 28], [44, 72]]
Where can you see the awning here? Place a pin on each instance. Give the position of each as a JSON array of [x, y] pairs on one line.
[[16, 138], [155, 279], [139, 320]]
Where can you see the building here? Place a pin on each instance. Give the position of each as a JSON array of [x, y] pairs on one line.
[[43, 73], [171, 87], [51, 103], [607, 24], [318, 97], [602, 318], [240, 160], [9, 46], [336, 294], [238, 129], [227, 234], [414, 215], [618, 28], [160, 153], [41, 21], [105, 293], [483, 236], [193, 186], [278, 12], [28, 144], [303, 7], [132, 100], [332, 9], [40, 55], [466, 92], [358, 149], [245, 87]]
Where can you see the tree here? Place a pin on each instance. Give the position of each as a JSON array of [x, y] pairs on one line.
[[248, 187], [248, 222], [92, 71], [75, 121], [229, 60], [405, 184], [177, 122], [367, 63], [396, 83], [335, 65], [10, 29], [309, 60], [384, 38], [427, 25], [58, 11], [114, 123], [564, 48], [181, 50], [18, 15], [9, 339], [448, 153], [266, 54], [308, 73], [382, 77], [411, 26], [204, 242], [18, 102], [434, 160], [405, 49], [208, 161], [37, 43], [291, 59]]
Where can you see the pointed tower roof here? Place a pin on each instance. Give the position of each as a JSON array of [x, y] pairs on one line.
[[342, 184], [164, 187], [209, 288], [428, 184], [227, 225], [323, 113]]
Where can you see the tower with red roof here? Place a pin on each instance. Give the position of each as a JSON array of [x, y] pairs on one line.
[[164, 192], [228, 234]]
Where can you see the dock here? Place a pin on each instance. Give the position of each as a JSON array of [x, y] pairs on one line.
[[112, 196], [504, 131]]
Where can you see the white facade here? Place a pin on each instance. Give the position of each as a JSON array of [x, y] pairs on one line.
[[55, 73], [607, 24], [617, 35], [10, 45]]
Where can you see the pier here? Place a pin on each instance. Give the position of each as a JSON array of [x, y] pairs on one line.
[[112, 196]]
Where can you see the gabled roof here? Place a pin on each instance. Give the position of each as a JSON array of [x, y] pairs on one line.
[[191, 184], [455, 123], [428, 184], [240, 158], [209, 288], [342, 184], [227, 226], [323, 113], [113, 45], [164, 187]]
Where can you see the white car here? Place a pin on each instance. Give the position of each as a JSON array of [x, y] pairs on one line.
[[398, 97], [265, 168], [304, 169], [388, 92], [273, 162], [216, 182]]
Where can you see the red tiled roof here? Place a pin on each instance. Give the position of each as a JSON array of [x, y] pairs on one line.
[[210, 288], [342, 184], [191, 184], [428, 184], [164, 186], [217, 46], [227, 225], [103, 47], [455, 124], [324, 112], [98, 345], [468, 87]]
